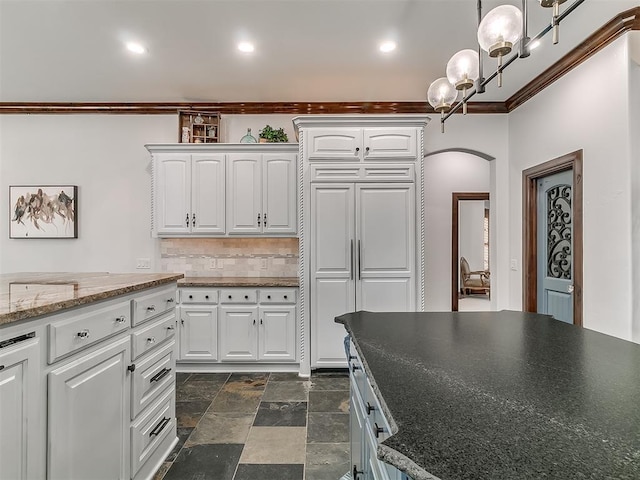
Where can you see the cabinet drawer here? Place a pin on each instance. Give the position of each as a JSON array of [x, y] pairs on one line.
[[151, 429], [380, 428], [198, 295], [149, 336], [239, 295], [154, 303], [278, 295], [84, 329], [151, 377]]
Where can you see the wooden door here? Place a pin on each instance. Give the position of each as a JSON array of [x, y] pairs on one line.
[[88, 417], [385, 248], [244, 199], [279, 193], [208, 193], [332, 291]]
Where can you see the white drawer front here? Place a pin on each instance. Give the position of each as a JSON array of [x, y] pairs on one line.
[[151, 377], [278, 295], [198, 295], [79, 331], [153, 334], [238, 295], [154, 303], [149, 431]]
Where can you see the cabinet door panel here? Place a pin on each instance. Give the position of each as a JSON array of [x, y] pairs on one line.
[[19, 415], [390, 143], [279, 193], [386, 295], [208, 193], [88, 405], [277, 338], [198, 333], [238, 333], [172, 194], [245, 193], [333, 144]]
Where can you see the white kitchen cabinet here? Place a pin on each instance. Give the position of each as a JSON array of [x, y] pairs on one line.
[[20, 400], [238, 332], [277, 333], [88, 414], [363, 257], [189, 193], [262, 193], [198, 332], [361, 144]]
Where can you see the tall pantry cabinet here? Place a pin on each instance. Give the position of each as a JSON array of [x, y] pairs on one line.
[[362, 226]]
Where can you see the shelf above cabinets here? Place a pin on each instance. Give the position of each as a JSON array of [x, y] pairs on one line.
[[224, 189]]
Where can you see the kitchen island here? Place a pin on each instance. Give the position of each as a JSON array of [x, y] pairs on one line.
[[498, 395], [87, 375]]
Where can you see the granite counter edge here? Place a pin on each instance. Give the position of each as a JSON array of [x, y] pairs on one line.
[[235, 282], [384, 452], [34, 312]]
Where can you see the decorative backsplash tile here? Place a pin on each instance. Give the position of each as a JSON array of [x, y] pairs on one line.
[[230, 257]]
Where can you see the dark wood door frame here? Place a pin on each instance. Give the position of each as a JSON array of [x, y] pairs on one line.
[[530, 178], [455, 267]]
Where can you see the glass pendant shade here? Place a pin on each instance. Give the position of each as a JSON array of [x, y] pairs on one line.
[[441, 95], [500, 30], [463, 69]]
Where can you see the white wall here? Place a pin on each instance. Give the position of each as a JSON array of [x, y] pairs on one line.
[[586, 109], [446, 173], [471, 233], [634, 128]]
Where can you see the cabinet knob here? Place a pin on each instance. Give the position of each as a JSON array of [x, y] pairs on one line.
[[229, 297], [206, 297], [246, 297], [354, 367], [151, 308], [254, 321], [190, 296], [171, 327], [151, 340], [193, 220], [83, 334], [171, 300], [132, 367], [120, 319], [366, 150], [269, 297], [265, 220], [285, 297], [258, 219], [357, 149]]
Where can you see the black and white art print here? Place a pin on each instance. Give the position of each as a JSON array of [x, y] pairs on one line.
[[46, 211]]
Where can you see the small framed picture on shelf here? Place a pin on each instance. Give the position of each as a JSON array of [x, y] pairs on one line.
[[198, 127]]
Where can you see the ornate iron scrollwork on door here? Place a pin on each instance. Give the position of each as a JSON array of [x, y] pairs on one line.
[[559, 232]]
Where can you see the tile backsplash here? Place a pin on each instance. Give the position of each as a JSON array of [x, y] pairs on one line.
[[230, 257]]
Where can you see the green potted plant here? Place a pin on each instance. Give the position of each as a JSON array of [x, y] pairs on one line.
[[272, 135]]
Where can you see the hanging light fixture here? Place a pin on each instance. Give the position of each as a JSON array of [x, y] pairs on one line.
[[556, 13], [463, 69], [499, 31], [441, 95]]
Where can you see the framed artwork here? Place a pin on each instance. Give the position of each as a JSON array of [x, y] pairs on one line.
[[43, 211]]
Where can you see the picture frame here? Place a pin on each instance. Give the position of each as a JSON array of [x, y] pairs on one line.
[[43, 211]]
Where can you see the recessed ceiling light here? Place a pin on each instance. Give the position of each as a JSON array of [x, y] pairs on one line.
[[136, 48], [246, 47], [388, 46]]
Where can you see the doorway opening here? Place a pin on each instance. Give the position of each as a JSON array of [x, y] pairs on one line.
[[470, 275], [534, 251]]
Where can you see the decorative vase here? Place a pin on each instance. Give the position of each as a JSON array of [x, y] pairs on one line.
[[248, 138]]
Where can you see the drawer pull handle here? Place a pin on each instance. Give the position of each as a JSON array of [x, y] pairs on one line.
[[377, 430], [83, 334], [151, 340], [163, 423], [171, 300], [370, 408], [1, 367], [160, 375], [132, 367], [151, 308], [356, 472], [355, 367], [171, 327], [120, 319]]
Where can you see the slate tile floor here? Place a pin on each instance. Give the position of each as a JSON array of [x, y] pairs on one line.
[[260, 426]]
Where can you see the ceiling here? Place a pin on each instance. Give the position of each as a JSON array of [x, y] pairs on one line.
[[306, 50]]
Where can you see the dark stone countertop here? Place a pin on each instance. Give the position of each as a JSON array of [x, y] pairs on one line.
[[501, 395], [239, 282], [28, 295]]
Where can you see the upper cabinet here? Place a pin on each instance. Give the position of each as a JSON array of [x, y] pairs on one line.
[[361, 144], [262, 193], [217, 190]]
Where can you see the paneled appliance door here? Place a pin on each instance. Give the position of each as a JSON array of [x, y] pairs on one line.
[[363, 258]]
